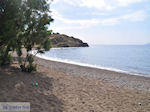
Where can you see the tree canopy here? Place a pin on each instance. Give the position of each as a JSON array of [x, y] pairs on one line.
[[23, 24]]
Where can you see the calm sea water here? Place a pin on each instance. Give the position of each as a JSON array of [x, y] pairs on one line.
[[121, 58]]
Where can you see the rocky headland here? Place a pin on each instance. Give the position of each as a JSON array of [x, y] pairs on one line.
[[62, 40]]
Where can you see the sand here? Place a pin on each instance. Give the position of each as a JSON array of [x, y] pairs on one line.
[[117, 79], [71, 88]]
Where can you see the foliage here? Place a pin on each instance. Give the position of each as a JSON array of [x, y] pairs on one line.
[[24, 25], [9, 26], [5, 58]]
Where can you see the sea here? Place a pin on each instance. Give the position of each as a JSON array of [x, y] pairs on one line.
[[131, 59]]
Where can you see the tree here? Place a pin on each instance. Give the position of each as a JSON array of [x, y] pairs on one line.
[[9, 26], [24, 24]]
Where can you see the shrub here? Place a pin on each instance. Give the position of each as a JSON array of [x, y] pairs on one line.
[[5, 57]]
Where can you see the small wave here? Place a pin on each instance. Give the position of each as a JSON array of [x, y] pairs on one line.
[[82, 64], [128, 69], [85, 64]]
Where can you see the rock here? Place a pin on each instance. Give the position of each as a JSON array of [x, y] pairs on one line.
[[140, 104], [83, 102], [61, 40]]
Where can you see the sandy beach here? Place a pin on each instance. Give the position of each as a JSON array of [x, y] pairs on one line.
[[74, 55], [72, 88]]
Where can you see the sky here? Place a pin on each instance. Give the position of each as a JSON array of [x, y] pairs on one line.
[[103, 21]]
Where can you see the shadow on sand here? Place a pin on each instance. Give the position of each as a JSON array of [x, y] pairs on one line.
[[16, 86]]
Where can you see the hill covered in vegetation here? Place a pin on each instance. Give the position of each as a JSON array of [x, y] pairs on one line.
[[62, 40]]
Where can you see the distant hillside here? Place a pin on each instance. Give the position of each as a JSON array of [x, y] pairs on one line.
[[61, 40]]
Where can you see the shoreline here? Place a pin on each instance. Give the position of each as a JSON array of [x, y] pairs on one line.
[[94, 66], [117, 79]]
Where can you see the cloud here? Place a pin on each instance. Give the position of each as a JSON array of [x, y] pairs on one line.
[[127, 2], [108, 4], [100, 4], [136, 16], [86, 23], [99, 13]]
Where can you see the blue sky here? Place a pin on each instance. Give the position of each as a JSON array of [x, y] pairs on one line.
[[103, 21]]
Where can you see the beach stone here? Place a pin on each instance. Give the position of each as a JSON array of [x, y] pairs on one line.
[[140, 104], [19, 85], [83, 102]]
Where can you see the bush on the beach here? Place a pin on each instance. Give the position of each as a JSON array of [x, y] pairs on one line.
[[5, 58], [31, 66], [24, 25]]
